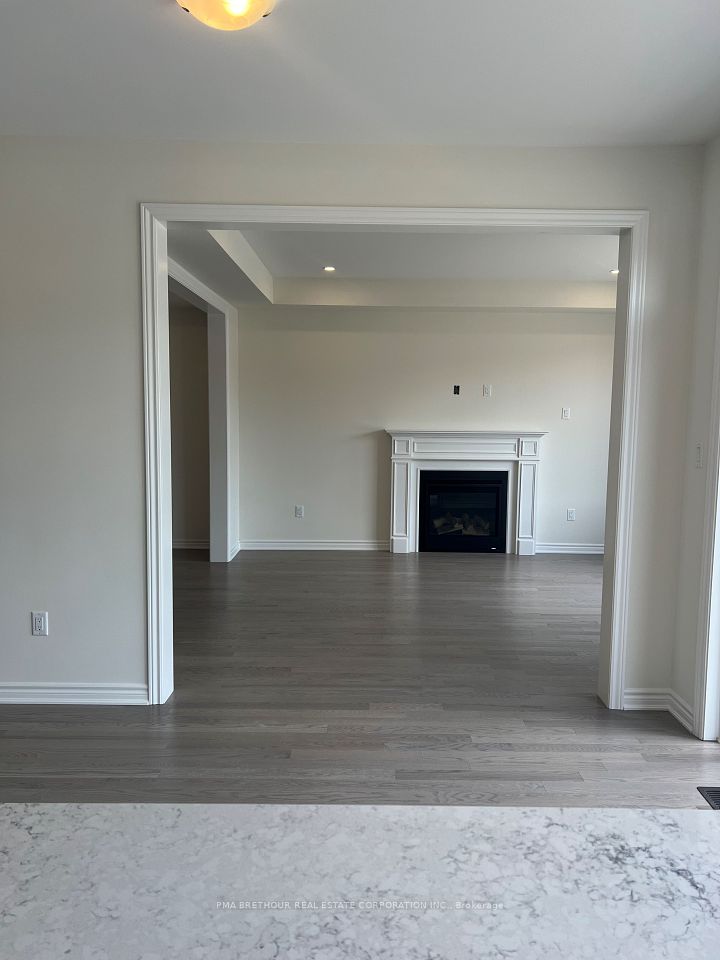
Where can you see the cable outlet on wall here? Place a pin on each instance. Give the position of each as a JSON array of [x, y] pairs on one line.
[[299, 511], [39, 623], [571, 514], [487, 391]]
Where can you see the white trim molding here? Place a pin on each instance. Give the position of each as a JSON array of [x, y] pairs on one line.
[[381, 545], [681, 710], [158, 480], [102, 694], [562, 221], [646, 698], [707, 656], [620, 505], [584, 549], [632, 228], [516, 452]]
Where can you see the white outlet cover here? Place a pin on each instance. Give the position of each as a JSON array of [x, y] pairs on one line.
[[487, 390], [299, 511], [39, 623], [571, 513], [566, 413]]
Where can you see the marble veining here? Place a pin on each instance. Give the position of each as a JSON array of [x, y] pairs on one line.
[[151, 882]]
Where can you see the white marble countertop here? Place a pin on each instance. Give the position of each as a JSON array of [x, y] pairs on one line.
[[154, 882]]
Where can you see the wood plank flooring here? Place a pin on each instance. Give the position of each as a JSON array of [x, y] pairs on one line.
[[369, 678]]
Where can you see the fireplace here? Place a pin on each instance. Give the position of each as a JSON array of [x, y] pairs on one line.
[[463, 511], [515, 455]]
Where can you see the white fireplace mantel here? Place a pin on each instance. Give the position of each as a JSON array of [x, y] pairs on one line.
[[517, 452]]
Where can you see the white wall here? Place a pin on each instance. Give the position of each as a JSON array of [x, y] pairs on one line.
[[698, 430], [72, 511], [551, 295], [319, 386], [189, 419]]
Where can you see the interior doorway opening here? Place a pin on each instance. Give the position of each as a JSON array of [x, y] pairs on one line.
[[631, 227]]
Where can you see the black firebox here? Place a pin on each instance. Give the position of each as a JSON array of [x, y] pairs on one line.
[[463, 511]]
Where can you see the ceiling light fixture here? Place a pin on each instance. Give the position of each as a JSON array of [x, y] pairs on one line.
[[228, 14], [615, 272], [329, 269]]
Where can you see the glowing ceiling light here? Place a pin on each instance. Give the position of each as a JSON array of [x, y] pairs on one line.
[[329, 269], [228, 14], [615, 272]]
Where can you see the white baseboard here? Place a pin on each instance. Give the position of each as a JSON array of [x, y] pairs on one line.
[[202, 545], [129, 694], [681, 710], [315, 545], [644, 698], [593, 549]]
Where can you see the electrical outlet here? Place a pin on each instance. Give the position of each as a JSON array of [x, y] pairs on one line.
[[571, 514], [299, 511], [566, 413], [487, 391], [456, 390], [39, 623]]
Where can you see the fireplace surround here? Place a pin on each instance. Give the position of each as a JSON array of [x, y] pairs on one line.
[[513, 453]]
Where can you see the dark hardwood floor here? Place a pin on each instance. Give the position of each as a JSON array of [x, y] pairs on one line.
[[369, 678]]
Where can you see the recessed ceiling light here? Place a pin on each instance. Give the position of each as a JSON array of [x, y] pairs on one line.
[[228, 14], [329, 269], [615, 272]]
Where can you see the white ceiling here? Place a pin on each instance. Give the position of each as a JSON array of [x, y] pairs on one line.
[[400, 255], [500, 72], [429, 256]]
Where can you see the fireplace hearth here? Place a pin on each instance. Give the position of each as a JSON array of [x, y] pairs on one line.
[[463, 511]]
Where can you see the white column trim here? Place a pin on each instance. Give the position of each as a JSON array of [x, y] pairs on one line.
[[622, 486], [707, 657], [158, 481]]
